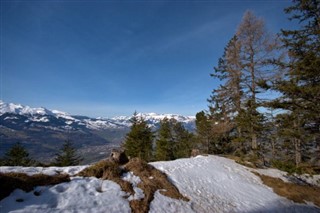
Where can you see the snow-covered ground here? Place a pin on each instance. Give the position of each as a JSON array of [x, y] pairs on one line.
[[71, 170], [134, 180], [213, 184], [216, 184], [78, 195]]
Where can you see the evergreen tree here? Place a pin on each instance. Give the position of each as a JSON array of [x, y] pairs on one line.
[[165, 141], [300, 88], [174, 141], [243, 70], [227, 98], [67, 155], [257, 49], [221, 124], [226, 101], [204, 132], [138, 142], [182, 140], [131, 145], [17, 156]]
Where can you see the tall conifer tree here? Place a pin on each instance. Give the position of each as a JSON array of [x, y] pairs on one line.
[[257, 49], [182, 140], [138, 142], [204, 132], [301, 87], [164, 143], [67, 155]]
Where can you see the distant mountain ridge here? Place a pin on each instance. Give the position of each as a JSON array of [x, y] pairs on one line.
[[43, 115], [43, 131]]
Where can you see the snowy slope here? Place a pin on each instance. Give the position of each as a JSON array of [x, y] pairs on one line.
[[213, 184], [217, 184]]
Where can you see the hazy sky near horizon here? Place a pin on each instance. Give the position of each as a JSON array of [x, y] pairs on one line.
[[107, 58]]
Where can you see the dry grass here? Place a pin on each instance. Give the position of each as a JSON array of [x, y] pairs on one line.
[[295, 192], [100, 169], [11, 181], [109, 170], [151, 181], [243, 161]]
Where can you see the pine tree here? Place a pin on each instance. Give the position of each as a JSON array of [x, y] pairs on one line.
[[300, 88], [138, 142], [226, 100], [257, 49], [131, 145], [243, 70], [228, 97], [221, 122], [67, 155], [174, 141], [17, 156], [182, 141], [165, 141], [204, 132]]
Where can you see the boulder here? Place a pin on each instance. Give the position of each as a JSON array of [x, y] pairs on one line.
[[119, 156], [195, 152]]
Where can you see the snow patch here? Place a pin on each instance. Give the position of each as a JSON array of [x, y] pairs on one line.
[[134, 180], [70, 170], [166, 204], [212, 184], [78, 195], [275, 173], [216, 184]]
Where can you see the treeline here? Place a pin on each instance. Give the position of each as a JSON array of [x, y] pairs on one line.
[[267, 106], [169, 142], [17, 155]]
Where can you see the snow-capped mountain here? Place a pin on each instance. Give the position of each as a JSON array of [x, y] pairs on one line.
[[46, 117], [154, 119], [43, 130]]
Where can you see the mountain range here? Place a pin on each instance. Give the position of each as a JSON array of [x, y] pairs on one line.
[[42, 131]]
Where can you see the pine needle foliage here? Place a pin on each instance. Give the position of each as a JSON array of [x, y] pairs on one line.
[[300, 88], [67, 155], [173, 141], [138, 142], [17, 156]]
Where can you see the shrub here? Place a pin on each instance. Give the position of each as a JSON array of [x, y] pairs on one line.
[[101, 169], [67, 155], [17, 156], [289, 167], [295, 192]]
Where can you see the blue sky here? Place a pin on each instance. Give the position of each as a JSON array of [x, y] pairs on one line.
[[107, 58]]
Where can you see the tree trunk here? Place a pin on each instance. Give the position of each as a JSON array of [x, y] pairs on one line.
[[297, 145], [254, 145], [239, 131], [273, 147], [253, 104]]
